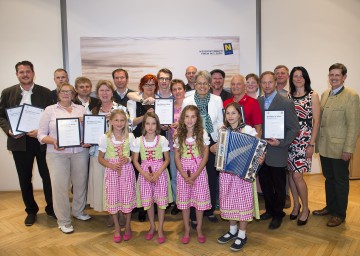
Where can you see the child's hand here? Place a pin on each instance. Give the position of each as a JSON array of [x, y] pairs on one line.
[[148, 176], [262, 158], [123, 160], [155, 177], [116, 167], [213, 148]]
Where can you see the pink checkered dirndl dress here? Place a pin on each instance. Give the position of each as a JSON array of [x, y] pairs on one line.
[[196, 195], [236, 197], [153, 192], [120, 190]]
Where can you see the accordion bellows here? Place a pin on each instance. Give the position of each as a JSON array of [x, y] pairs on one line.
[[239, 153]]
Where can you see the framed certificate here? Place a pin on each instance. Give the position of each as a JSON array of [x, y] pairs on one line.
[[94, 127], [29, 118], [68, 132], [164, 108], [13, 115], [274, 124]]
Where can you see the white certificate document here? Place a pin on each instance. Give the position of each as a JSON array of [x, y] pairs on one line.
[[94, 127], [68, 132], [164, 108], [274, 124], [13, 115], [29, 118]]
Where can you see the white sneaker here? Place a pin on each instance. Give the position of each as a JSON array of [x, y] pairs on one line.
[[67, 229], [83, 216]]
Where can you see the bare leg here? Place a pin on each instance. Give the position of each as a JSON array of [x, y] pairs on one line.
[[199, 219], [117, 225], [127, 223], [151, 214], [186, 219], [294, 193], [243, 225], [161, 218], [303, 193]]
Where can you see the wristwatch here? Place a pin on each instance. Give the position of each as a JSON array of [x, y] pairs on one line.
[[311, 145], [141, 101]]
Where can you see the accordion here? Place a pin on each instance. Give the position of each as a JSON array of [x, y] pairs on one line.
[[239, 153]]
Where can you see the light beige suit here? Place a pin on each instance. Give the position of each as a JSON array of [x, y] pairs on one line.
[[340, 123]]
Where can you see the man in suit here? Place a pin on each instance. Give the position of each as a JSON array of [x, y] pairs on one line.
[[83, 88], [121, 79], [272, 175], [339, 131], [26, 147], [60, 78]]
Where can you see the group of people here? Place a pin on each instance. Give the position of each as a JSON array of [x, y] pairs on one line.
[[104, 175]]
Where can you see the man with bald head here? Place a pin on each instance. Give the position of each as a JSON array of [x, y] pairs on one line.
[[190, 76], [251, 107]]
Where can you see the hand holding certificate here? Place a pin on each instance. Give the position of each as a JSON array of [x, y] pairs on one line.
[[274, 124], [94, 127], [164, 108], [68, 132], [29, 118], [13, 115]]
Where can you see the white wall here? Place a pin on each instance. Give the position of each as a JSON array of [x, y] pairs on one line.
[[113, 18], [315, 35], [30, 30]]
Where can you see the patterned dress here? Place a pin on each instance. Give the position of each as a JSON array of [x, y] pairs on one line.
[[120, 190], [198, 194], [238, 197], [297, 161], [151, 155]]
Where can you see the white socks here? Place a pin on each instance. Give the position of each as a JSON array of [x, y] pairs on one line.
[[233, 229], [241, 234]]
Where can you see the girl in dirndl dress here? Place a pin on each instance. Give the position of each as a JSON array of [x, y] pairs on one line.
[[191, 155], [120, 185], [238, 197], [153, 182]]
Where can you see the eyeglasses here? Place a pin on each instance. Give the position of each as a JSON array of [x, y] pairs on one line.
[[204, 84], [65, 92], [148, 85], [165, 79]]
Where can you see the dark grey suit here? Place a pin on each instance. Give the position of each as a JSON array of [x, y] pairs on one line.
[[272, 175], [26, 148]]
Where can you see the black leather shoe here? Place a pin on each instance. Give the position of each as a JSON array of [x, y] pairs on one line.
[[213, 219], [294, 217], [275, 223], [175, 210], [30, 219], [321, 212], [265, 216], [303, 222], [51, 215]]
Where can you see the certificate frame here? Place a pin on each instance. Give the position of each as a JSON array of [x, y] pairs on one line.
[[87, 126], [72, 126], [22, 126], [274, 124], [14, 122], [164, 108]]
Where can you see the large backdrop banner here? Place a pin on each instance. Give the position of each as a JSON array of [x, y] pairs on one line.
[[144, 55]]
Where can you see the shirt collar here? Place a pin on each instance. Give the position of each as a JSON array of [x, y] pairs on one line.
[[335, 91], [29, 91], [271, 96]]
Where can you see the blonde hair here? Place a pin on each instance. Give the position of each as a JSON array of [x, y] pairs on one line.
[[198, 129], [112, 116]]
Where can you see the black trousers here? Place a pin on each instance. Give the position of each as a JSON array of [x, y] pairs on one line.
[[273, 183], [213, 177], [24, 161], [336, 173]]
